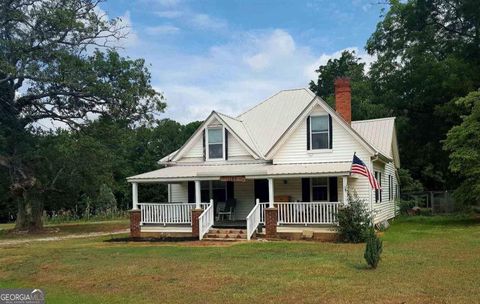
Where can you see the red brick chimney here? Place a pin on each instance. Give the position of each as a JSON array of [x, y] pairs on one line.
[[343, 98]]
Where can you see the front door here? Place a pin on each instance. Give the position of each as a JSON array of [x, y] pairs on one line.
[[261, 190]]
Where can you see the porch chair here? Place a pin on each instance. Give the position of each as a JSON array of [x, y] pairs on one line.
[[228, 209]]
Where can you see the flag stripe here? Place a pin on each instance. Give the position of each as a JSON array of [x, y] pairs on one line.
[[359, 167]]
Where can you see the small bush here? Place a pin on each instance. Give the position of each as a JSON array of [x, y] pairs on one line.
[[354, 221], [373, 250], [405, 205]]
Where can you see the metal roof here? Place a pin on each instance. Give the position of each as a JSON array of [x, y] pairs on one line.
[[378, 132], [248, 170]]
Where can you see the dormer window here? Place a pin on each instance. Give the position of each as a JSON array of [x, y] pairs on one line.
[[319, 132], [215, 141]]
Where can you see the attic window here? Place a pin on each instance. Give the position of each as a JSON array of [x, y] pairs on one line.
[[215, 143], [319, 132]]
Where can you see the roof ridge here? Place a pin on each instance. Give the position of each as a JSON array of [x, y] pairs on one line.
[[234, 118], [258, 104], [375, 119]]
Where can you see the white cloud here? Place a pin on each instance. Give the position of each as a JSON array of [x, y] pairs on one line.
[[170, 14], [206, 22], [162, 30], [131, 36]]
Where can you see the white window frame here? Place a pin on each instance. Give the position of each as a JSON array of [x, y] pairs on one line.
[[207, 144], [328, 188], [320, 132]]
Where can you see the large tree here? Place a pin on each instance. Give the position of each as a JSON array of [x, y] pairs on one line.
[[428, 53], [349, 65], [58, 62]]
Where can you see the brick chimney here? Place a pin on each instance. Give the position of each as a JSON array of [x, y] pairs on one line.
[[343, 98]]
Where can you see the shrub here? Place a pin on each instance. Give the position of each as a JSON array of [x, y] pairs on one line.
[[354, 221], [405, 205], [373, 250]]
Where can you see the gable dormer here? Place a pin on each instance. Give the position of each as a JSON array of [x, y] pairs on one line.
[[215, 141]]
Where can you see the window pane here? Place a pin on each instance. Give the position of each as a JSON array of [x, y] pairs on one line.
[[218, 195], [204, 185], [320, 141], [215, 151], [319, 123], [215, 136], [319, 181], [205, 195], [319, 193]]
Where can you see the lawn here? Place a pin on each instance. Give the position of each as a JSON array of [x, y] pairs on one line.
[[425, 260]]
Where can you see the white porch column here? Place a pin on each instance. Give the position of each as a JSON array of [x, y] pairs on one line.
[[271, 195], [344, 189], [134, 196], [198, 196]]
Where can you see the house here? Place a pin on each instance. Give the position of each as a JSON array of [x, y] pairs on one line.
[[284, 164]]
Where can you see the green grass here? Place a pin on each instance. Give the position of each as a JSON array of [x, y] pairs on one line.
[[425, 260]]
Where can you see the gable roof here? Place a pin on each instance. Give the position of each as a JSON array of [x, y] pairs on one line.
[[262, 128], [378, 132]]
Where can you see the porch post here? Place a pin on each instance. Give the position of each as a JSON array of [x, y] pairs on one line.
[[270, 193], [345, 188], [134, 196], [198, 196]]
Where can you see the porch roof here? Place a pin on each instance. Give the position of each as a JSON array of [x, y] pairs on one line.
[[256, 170]]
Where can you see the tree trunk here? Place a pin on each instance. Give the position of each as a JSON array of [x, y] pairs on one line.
[[30, 212]]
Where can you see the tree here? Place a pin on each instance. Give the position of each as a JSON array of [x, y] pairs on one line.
[[428, 53], [348, 65], [59, 63], [463, 142], [105, 202]]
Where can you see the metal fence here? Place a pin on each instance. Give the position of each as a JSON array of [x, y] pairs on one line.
[[437, 201]]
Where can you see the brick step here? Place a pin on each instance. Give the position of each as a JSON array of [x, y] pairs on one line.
[[226, 235], [223, 239], [227, 231]]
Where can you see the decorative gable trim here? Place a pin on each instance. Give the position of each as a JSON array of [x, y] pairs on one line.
[[334, 115], [200, 132]]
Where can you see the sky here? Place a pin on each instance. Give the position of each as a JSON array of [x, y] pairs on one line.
[[230, 55]]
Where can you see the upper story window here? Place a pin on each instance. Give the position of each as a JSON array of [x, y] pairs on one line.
[[215, 143], [319, 132]]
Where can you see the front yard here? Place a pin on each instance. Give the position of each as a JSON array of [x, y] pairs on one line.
[[425, 260]]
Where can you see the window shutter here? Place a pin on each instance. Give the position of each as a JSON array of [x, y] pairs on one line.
[[226, 144], [204, 148], [333, 188], [191, 192], [308, 133], [330, 132], [305, 189], [230, 190]]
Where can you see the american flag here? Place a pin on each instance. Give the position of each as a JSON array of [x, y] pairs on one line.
[[359, 167]]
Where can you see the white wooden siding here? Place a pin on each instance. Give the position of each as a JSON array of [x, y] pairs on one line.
[[236, 151], [294, 149], [178, 193], [385, 210], [244, 193]]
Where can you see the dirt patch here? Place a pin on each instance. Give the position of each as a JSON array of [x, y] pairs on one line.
[[152, 239]]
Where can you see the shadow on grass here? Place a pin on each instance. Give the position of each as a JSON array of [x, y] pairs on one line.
[[151, 239], [459, 220]]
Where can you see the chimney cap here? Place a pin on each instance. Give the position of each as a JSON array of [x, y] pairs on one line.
[[342, 82]]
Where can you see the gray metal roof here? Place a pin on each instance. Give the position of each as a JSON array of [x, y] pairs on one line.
[[378, 132]]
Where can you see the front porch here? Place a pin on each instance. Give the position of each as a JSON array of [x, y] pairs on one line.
[[243, 204]]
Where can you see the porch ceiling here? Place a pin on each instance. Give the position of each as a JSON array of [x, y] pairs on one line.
[[182, 173]]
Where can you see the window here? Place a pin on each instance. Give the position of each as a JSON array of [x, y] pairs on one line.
[[215, 143], [378, 192], [319, 132], [216, 190], [390, 187], [319, 189]]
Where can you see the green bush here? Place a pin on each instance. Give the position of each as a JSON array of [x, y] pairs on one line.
[[405, 205], [373, 250], [354, 221]]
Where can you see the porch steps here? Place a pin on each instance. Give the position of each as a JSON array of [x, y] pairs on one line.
[[226, 234]]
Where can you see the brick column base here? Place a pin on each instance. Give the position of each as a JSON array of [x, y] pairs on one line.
[[195, 223], [271, 218], [135, 218]]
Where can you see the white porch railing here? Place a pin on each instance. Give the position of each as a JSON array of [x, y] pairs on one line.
[[253, 220], [307, 212], [262, 207], [205, 220], [167, 213]]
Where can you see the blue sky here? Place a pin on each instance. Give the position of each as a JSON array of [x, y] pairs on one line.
[[230, 55]]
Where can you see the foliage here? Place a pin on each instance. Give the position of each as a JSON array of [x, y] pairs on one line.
[[373, 250], [408, 183], [59, 63], [354, 221], [463, 142], [348, 65], [428, 53], [105, 202], [405, 205]]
